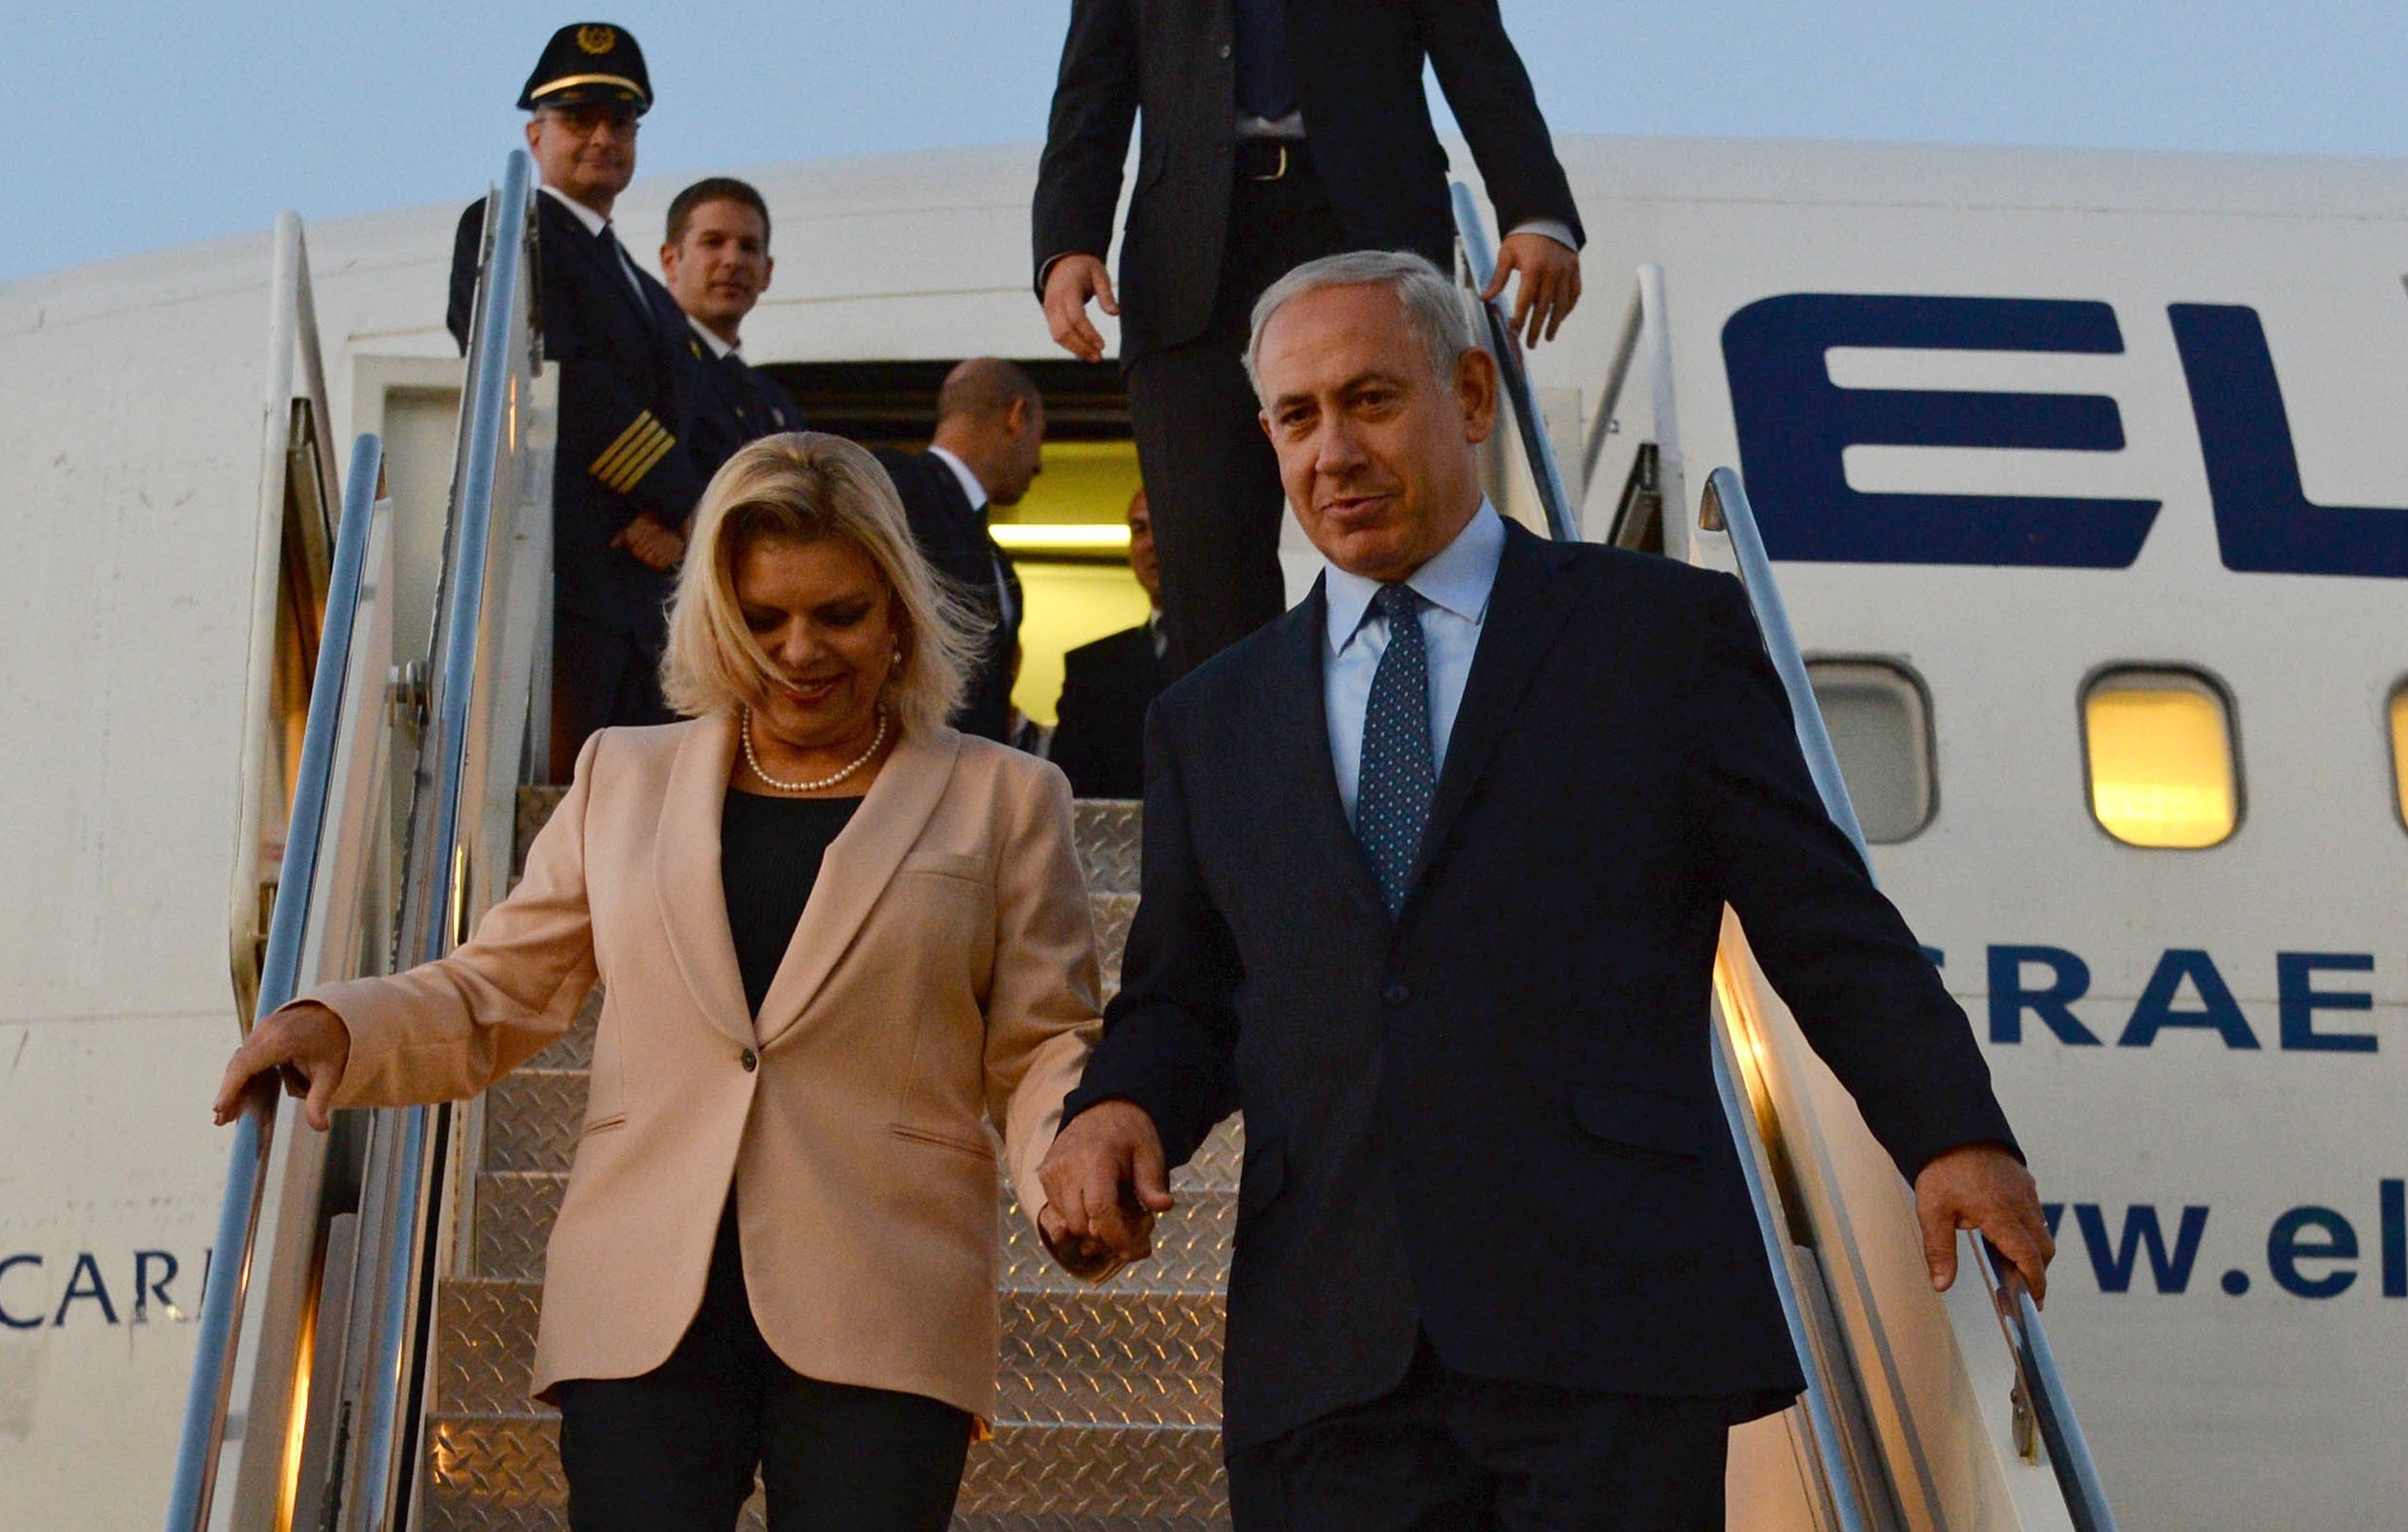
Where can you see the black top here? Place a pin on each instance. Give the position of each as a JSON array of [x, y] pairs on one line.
[[768, 856]]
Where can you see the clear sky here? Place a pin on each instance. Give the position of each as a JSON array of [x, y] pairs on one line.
[[135, 126]]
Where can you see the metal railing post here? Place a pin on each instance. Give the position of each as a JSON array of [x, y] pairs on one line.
[[1537, 449]]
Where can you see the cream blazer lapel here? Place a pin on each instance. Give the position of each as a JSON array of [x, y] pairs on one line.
[[859, 863], [686, 874]]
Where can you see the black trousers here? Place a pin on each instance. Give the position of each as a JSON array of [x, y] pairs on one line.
[[1445, 1451], [675, 1451], [599, 677], [1211, 480]]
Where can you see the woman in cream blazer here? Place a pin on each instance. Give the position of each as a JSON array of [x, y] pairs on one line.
[[778, 1245]]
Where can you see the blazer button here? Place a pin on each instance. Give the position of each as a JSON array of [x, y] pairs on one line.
[[749, 1060], [1396, 994], [1225, 50]]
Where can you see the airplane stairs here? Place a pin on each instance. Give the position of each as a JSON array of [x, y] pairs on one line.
[[1108, 1409]]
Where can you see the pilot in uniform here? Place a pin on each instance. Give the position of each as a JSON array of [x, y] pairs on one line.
[[625, 482]]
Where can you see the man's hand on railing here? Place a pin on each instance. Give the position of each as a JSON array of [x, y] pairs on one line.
[[1551, 283], [1986, 1187], [305, 1042], [1069, 282]]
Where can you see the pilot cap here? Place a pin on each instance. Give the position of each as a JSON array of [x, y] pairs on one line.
[[589, 63]]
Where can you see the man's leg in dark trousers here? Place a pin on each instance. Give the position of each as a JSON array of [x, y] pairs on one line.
[[1211, 479], [1448, 1453]]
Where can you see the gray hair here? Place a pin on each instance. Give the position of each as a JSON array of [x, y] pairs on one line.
[[1434, 311]]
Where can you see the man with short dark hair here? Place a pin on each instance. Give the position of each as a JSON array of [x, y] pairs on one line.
[[1100, 724], [625, 482], [987, 449], [716, 259], [1435, 874]]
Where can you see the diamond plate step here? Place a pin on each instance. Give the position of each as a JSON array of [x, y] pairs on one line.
[[1083, 1358]]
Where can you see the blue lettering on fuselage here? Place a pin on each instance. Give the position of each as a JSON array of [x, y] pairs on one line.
[[1795, 425], [2042, 983]]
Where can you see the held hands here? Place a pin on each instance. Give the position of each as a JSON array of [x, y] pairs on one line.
[[1104, 1182], [308, 1045], [652, 546], [1069, 285], [1982, 1187], [1551, 283]]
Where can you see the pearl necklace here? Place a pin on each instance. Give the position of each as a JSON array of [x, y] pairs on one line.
[[745, 732]]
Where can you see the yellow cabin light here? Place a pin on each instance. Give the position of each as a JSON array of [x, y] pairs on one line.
[[2399, 750], [1061, 539], [2161, 755]]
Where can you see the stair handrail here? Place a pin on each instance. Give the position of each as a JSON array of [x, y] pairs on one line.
[[1724, 507], [1480, 265], [437, 873], [203, 1440]]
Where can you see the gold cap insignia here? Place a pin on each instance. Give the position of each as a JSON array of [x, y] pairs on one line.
[[596, 40]]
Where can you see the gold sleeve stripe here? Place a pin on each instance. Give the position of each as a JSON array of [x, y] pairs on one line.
[[639, 434], [643, 462]]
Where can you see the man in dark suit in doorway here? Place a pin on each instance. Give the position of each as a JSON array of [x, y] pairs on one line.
[[1274, 130], [1435, 871], [987, 449], [716, 260], [625, 482], [1100, 724]]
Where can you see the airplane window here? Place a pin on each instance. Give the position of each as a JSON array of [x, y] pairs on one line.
[[1880, 725], [2162, 771], [2399, 750]]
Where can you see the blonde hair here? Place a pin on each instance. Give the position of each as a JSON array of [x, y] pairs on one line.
[[798, 487]]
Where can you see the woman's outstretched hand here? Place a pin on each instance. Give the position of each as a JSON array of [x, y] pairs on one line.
[[305, 1042]]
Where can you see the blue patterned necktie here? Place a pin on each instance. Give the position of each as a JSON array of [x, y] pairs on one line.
[[1399, 774]]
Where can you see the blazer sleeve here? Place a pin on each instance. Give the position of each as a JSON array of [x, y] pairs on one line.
[[467, 243], [1170, 1035], [1482, 75], [446, 1030], [1042, 993], [1087, 138], [610, 434], [1836, 950]]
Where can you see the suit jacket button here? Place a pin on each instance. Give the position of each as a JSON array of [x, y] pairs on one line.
[[1225, 50], [749, 1060], [1396, 994]]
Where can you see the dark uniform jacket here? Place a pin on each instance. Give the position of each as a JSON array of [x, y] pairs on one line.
[[1100, 728], [1358, 75], [735, 403], [1492, 1117], [953, 536], [626, 390]]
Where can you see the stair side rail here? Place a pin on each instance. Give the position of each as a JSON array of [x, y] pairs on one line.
[[203, 1438], [1538, 450], [477, 705], [1725, 508]]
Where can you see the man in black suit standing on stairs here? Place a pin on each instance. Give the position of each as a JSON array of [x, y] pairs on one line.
[[989, 447], [715, 257], [1273, 132], [624, 484], [1435, 871], [1100, 724]]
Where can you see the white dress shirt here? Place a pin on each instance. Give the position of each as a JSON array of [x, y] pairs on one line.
[[977, 493], [722, 350], [595, 222], [1455, 586]]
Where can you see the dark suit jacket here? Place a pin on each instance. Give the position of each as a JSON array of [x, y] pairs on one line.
[[953, 536], [627, 392], [735, 403], [1358, 74], [1495, 1117], [1100, 727]]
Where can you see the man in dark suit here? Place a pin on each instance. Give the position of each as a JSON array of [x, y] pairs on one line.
[[1274, 130], [1435, 870], [625, 482], [986, 451], [716, 261], [1100, 724]]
